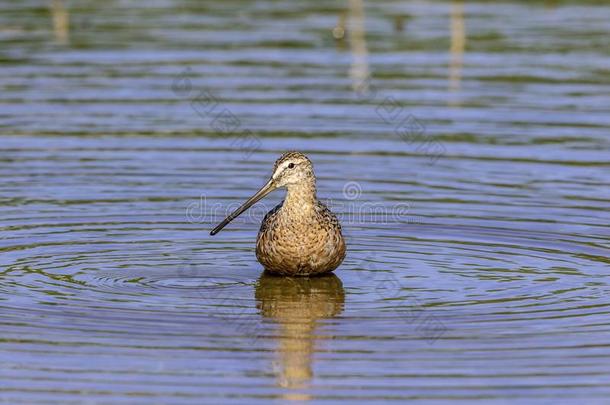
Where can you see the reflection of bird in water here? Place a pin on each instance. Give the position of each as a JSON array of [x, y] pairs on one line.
[[299, 237], [297, 304]]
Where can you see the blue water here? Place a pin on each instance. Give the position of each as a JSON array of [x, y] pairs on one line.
[[464, 148]]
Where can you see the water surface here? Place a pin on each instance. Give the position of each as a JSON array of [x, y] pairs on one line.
[[464, 147]]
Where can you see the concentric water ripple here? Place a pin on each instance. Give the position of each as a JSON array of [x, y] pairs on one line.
[[481, 276], [152, 297]]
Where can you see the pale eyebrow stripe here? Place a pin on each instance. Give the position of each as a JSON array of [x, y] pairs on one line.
[[281, 168]]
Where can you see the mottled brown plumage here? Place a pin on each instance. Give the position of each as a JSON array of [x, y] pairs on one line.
[[300, 236]]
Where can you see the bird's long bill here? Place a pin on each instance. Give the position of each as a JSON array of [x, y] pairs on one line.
[[266, 189]]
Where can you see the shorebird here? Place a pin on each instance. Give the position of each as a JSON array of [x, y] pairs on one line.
[[300, 236]]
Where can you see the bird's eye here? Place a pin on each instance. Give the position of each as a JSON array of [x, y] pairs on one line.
[[291, 165]]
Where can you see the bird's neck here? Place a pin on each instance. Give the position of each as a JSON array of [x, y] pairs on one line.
[[300, 197]]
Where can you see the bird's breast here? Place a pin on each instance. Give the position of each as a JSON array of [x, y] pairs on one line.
[[304, 242]]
